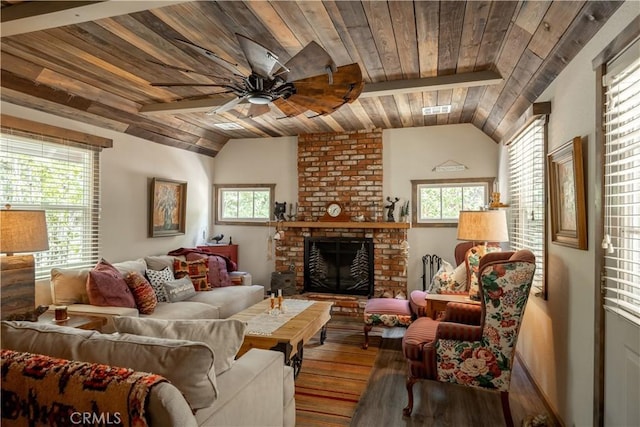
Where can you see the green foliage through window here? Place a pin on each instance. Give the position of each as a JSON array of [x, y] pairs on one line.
[[438, 202], [243, 204]]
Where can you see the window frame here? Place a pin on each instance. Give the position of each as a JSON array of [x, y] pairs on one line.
[[217, 204], [490, 182]]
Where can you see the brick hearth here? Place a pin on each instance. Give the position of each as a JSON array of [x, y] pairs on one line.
[[344, 167]]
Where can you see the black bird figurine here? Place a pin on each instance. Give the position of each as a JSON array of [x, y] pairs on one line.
[[217, 238]]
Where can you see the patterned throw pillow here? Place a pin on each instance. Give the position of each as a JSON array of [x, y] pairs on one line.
[[107, 287], [472, 262], [157, 279], [143, 292], [449, 280], [196, 270], [179, 289]]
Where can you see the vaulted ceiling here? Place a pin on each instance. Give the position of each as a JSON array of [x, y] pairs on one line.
[[95, 61]]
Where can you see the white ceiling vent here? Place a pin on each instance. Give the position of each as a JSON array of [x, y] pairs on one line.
[[438, 109]]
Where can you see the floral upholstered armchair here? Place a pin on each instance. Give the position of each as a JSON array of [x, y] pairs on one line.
[[474, 345]]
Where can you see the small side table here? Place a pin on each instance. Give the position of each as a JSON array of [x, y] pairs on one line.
[[75, 321], [438, 302]]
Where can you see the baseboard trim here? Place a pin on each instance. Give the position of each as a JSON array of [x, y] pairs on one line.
[[543, 397]]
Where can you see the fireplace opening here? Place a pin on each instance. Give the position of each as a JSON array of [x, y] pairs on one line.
[[339, 265]]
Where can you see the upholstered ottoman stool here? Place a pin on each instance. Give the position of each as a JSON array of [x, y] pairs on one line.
[[388, 312]]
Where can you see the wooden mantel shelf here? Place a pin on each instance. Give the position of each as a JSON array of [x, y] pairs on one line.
[[340, 224]]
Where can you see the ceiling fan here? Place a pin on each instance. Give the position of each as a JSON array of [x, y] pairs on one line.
[[309, 80]]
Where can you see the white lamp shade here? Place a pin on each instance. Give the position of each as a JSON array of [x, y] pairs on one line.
[[483, 226], [23, 231]]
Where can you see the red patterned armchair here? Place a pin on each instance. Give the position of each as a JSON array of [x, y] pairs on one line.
[[474, 345]]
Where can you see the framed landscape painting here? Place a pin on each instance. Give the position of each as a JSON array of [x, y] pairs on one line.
[[566, 189], [167, 207]]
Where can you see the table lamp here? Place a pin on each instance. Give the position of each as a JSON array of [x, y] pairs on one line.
[[20, 231], [483, 226]]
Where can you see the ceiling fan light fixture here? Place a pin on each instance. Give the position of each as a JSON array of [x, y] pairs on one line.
[[259, 98], [438, 109]]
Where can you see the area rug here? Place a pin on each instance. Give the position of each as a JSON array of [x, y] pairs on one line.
[[334, 375]]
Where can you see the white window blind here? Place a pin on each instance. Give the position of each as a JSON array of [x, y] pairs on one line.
[[622, 185], [527, 194], [63, 179]]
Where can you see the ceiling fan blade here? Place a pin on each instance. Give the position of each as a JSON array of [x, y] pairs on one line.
[[213, 56], [256, 110], [317, 95], [261, 59], [226, 106], [311, 61], [289, 109]]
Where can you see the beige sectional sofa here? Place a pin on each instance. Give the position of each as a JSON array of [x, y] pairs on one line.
[[68, 287], [255, 390]]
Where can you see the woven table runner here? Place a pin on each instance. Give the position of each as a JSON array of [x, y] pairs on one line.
[[266, 323]]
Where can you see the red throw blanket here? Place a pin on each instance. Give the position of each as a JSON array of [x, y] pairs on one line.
[[231, 266], [39, 390]]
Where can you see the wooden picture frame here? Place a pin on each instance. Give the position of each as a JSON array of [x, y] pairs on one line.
[[167, 207], [567, 193]]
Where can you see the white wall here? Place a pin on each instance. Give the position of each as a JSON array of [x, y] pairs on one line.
[[125, 172], [412, 153], [408, 154], [257, 161], [557, 336]]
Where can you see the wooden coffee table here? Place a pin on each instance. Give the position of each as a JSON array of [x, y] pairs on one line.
[[291, 336]]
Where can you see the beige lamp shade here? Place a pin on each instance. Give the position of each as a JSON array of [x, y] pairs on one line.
[[23, 231], [483, 226]]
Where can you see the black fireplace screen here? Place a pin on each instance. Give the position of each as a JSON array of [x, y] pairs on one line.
[[340, 265]]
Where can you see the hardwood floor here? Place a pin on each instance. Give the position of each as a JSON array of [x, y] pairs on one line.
[[341, 384]]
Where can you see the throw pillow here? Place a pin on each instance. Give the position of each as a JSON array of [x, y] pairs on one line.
[[179, 290], [224, 337], [218, 274], [472, 262], [441, 278], [142, 291], [69, 286], [197, 270], [107, 287], [157, 279], [449, 280]]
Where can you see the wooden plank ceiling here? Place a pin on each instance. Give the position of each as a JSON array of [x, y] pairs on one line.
[[100, 71]]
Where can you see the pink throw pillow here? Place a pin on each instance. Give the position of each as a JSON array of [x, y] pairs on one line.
[[106, 287]]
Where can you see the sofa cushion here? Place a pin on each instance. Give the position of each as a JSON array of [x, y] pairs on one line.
[[158, 262], [183, 310], [142, 291], [196, 270], [231, 299], [224, 337], [179, 289], [186, 364], [124, 267], [106, 287], [69, 286], [157, 279]]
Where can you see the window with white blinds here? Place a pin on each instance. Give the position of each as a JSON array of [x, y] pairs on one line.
[[527, 194], [622, 185], [63, 179]]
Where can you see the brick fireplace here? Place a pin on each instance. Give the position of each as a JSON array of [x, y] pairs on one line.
[[344, 167]]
